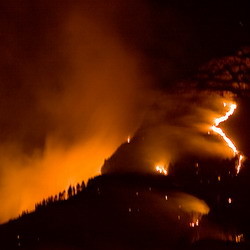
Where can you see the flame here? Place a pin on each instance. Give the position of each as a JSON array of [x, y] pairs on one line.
[[239, 238], [194, 223], [226, 116], [225, 138], [191, 224], [238, 167], [197, 223], [128, 139], [161, 169], [220, 132]]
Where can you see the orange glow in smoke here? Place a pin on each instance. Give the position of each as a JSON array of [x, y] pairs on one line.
[[220, 132]]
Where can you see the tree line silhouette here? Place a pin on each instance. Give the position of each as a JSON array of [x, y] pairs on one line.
[[61, 196]]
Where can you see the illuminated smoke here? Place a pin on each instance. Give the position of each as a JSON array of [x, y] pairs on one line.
[[71, 91], [190, 204]]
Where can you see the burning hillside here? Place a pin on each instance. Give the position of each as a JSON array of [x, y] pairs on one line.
[[177, 127], [85, 81]]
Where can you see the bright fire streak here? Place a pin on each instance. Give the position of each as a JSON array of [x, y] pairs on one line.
[[161, 170], [219, 131], [238, 167], [226, 116], [225, 138]]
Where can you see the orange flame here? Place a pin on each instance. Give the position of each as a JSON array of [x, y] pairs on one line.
[[225, 138], [161, 169], [238, 167], [220, 132], [226, 116]]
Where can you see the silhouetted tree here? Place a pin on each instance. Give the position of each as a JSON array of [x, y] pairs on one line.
[[63, 195], [70, 192], [43, 202], [60, 196], [82, 186], [78, 188]]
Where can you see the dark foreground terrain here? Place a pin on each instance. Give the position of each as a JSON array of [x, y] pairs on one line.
[[136, 212]]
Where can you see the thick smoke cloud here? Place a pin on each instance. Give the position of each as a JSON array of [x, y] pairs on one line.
[[71, 92]]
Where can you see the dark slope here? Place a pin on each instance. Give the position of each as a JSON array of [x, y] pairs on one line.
[[128, 212]]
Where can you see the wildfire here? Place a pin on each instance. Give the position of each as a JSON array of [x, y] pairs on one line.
[[220, 132], [128, 139], [239, 238], [226, 116], [193, 224], [161, 169], [225, 138], [238, 167]]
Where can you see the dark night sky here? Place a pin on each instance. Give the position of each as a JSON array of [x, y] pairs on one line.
[[178, 36]]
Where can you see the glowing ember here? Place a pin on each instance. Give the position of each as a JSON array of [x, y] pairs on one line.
[[161, 169], [197, 223], [128, 139], [191, 224], [239, 238], [219, 131], [229, 200]]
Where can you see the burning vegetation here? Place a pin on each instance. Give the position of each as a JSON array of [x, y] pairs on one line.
[[219, 131], [75, 84]]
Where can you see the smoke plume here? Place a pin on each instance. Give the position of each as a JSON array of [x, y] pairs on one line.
[[71, 92]]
